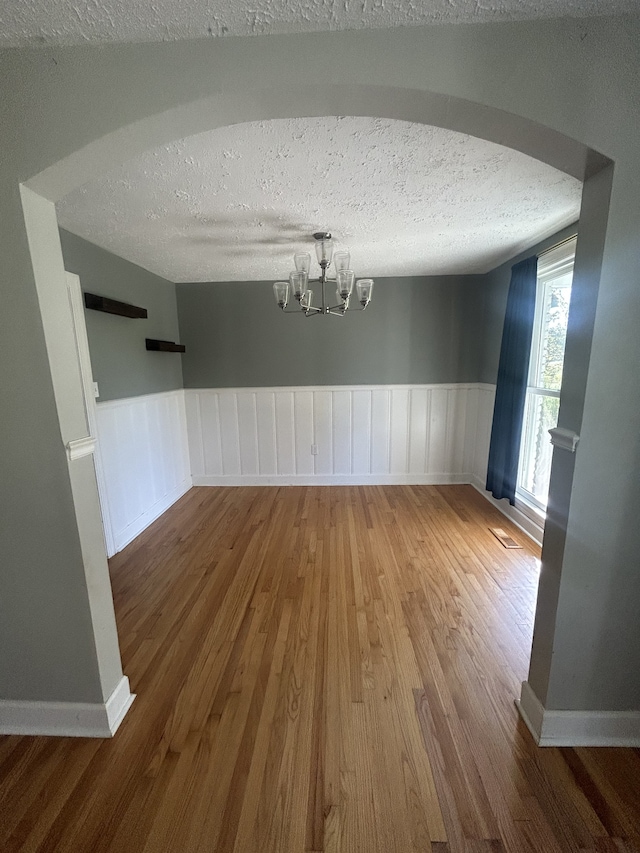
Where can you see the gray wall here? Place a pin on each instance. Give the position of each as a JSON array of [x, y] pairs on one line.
[[121, 365], [415, 330]]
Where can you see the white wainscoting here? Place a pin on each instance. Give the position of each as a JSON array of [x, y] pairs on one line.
[[142, 442], [153, 447], [363, 434]]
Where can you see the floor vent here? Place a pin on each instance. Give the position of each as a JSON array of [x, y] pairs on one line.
[[504, 538]]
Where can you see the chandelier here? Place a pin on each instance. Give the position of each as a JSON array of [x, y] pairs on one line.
[[298, 285]]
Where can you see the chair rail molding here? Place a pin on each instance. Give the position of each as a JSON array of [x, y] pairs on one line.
[[566, 439], [80, 447]]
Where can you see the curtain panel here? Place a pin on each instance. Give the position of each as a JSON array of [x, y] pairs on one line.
[[511, 387]]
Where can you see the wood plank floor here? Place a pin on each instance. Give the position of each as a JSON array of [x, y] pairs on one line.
[[321, 669]]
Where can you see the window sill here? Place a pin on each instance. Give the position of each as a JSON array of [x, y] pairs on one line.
[[537, 515]]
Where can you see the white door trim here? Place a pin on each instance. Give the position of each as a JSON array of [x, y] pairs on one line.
[[76, 303]]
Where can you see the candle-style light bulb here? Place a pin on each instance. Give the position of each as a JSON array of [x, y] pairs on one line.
[[364, 288], [281, 293]]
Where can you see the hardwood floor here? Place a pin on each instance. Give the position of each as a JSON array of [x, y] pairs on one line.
[[321, 669]]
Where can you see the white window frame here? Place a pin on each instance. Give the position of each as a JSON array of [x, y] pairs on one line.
[[551, 265]]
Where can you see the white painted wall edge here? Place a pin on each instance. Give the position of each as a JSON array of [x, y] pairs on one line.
[[527, 525], [67, 719], [136, 527], [335, 480], [577, 728]]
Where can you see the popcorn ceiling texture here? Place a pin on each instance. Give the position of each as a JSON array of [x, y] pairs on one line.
[[33, 22], [234, 204]]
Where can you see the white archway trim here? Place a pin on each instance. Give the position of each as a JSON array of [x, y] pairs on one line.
[[221, 110]]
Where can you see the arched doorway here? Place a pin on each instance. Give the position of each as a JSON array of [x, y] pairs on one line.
[[42, 190]]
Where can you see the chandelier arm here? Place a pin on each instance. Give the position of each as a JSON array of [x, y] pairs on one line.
[[306, 311]]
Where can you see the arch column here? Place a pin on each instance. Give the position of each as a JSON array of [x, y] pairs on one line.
[[60, 669], [582, 687]]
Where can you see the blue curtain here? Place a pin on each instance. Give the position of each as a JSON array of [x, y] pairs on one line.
[[511, 387]]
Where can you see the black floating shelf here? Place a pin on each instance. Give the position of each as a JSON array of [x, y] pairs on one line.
[[163, 346], [112, 306]]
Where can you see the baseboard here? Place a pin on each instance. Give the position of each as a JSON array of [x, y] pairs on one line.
[[527, 525], [531, 710], [118, 704], [577, 728], [123, 537], [334, 480], [67, 719]]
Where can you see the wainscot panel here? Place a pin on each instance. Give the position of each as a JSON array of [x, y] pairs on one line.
[[145, 459], [339, 435]]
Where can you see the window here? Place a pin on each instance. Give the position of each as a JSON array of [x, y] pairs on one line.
[[555, 272]]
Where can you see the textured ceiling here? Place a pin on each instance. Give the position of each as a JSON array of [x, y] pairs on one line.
[[60, 22], [234, 204]]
